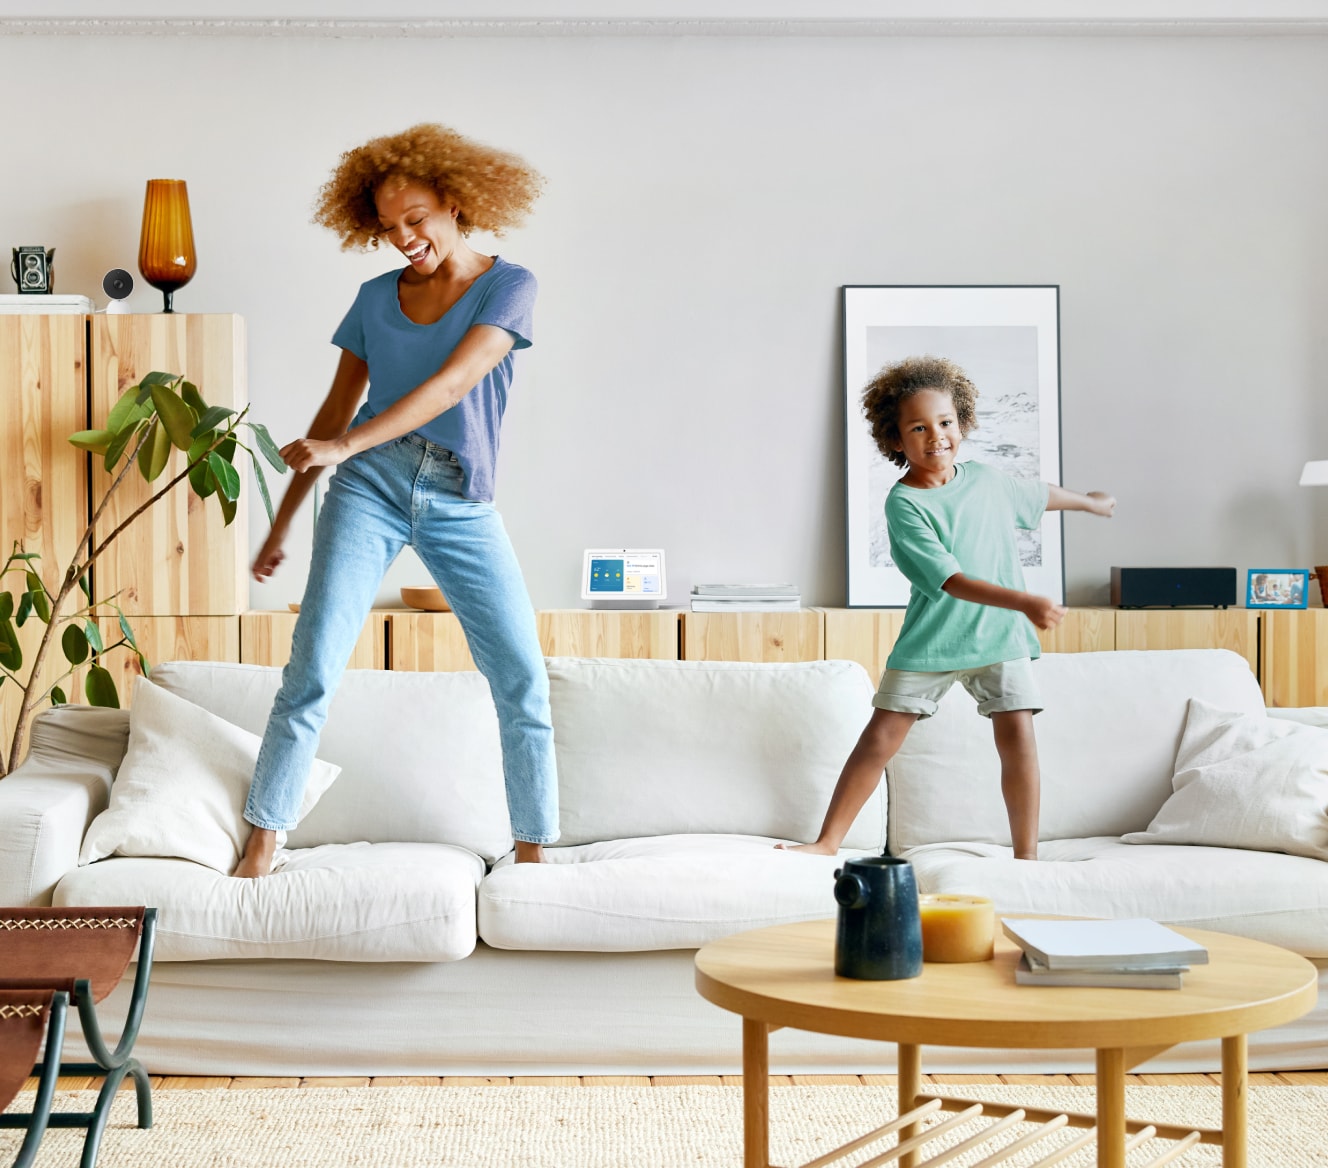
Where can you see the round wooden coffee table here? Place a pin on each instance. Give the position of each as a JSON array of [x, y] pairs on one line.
[[784, 976]]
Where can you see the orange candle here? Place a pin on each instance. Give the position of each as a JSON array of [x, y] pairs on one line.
[[956, 927]]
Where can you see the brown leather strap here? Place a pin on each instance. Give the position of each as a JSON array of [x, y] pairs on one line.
[[23, 1015], [54, 946]]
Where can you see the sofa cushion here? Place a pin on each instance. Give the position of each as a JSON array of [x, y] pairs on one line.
[[1107, 743], [419, 753], [1263, 895], [1246, 781], [680, 747], [663, 892], [339, 902], [181, 788]]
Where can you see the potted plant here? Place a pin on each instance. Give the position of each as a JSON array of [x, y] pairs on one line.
[[161, 413]]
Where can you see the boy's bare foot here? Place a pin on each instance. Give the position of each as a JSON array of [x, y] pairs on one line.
[[815, 848], [258, 854], [529, 853], [1022, 856]]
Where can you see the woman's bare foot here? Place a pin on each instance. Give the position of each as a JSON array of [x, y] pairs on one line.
[[529, 853], [815, 848], [258, 854]]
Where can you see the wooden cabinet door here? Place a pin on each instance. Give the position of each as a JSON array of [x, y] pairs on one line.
[[178, 558]]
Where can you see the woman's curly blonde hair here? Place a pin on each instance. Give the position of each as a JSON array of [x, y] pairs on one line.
[[492, 190], [896, 383]]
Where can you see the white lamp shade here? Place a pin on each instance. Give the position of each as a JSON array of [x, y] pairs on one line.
[[1315, 474]]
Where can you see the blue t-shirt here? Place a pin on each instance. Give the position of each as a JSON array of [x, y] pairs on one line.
[[402, 354]]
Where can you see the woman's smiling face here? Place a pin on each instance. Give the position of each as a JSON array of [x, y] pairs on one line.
[[417, 223]]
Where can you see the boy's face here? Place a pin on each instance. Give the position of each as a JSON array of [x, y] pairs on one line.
[[929, 434]]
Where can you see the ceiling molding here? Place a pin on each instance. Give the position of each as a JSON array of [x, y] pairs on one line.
[[369, 29]]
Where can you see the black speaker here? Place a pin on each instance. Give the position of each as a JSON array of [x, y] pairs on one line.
[[1173, 587]]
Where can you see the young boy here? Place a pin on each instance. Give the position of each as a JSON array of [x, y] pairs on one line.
[[968, 619]]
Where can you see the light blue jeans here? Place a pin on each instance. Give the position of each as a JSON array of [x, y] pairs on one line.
[[408, 491]]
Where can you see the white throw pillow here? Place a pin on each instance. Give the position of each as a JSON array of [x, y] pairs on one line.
[[1246, 781], [181, 788]]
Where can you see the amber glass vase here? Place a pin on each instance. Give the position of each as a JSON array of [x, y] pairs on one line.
[[166, 247]]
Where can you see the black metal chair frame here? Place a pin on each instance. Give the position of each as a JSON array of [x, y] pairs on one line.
[[113, 1064]]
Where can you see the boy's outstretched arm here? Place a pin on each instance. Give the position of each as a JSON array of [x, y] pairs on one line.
[[1095, 502], [1044, 612]]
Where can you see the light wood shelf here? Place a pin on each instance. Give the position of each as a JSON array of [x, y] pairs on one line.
[[168, 638], [579, 632], [753, 636], [1236, 629], [265, 639], [1295, 657], [427, 642]]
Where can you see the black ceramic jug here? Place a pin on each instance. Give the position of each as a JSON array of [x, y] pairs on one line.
[[879, 935]]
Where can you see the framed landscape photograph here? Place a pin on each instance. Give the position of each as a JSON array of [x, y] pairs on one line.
[[1277, 588], [1007, 339]]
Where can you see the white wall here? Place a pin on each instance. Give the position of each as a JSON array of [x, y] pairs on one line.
[[707, 197]]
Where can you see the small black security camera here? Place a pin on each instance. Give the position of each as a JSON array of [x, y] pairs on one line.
[[117, 283]]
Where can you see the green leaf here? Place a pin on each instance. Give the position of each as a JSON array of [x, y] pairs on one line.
[[100, 688], [263, 492], [154, 452], [6, 605], [93, 634], [24, 609], [74, 641], [228, 478], [126, 631], [41, 599], [267, 446], [11, 652], [227, 509], [176, 418], [87, 588], [211, 419], [193, 399], [144, 666], [58, 696], [159, 378], [94, 440], [125, 412], [118, 444]]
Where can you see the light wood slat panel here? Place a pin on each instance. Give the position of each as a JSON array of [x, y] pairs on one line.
[[265, 639], [178, 557], [426, 642], [43, 479], [1236, 629], [864, 635], [571, 632], [1295, 657], [1084, 630], [753, 636], [168, 638], [53, 670]]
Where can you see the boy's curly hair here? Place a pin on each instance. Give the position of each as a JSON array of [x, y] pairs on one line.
[[896, 383], [492, 190]]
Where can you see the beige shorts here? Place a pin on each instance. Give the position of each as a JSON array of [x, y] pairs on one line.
[[997, 689]]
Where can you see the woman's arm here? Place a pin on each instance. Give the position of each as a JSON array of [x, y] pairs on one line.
[[475, 356], [332, 419], [1095, 502]]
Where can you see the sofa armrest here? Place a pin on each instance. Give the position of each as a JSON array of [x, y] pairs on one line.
[[47, 802]]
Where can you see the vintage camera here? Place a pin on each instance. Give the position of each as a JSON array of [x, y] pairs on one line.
[[31, 268]]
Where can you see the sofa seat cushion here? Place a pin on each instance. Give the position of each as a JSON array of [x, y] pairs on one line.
[[662, 892], [1262, 895], [338, 902]]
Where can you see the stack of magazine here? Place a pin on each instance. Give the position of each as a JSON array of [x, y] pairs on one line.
[[1123, 954], [746, 598]]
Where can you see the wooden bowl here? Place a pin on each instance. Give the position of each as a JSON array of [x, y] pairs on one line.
[[426, 599]]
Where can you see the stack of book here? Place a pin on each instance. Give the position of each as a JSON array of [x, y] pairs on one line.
[[746, 598], [1125, 954]]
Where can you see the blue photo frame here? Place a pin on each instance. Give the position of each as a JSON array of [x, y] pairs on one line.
[[1277, 588]]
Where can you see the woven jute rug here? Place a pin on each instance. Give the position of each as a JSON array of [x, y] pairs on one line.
[[605, 1127]]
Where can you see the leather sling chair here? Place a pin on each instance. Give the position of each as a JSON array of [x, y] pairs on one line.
[[51, 958]]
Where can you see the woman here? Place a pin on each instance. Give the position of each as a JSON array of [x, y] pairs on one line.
[[433, 342]]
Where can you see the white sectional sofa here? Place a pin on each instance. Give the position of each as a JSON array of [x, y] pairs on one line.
[[397, 937]]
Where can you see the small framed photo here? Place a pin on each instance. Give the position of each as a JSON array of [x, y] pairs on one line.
[[1277, 588]]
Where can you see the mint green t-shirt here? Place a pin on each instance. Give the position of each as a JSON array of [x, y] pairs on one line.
[[965, 526]]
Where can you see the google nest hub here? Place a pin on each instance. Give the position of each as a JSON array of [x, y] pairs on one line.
[[623, 577]]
